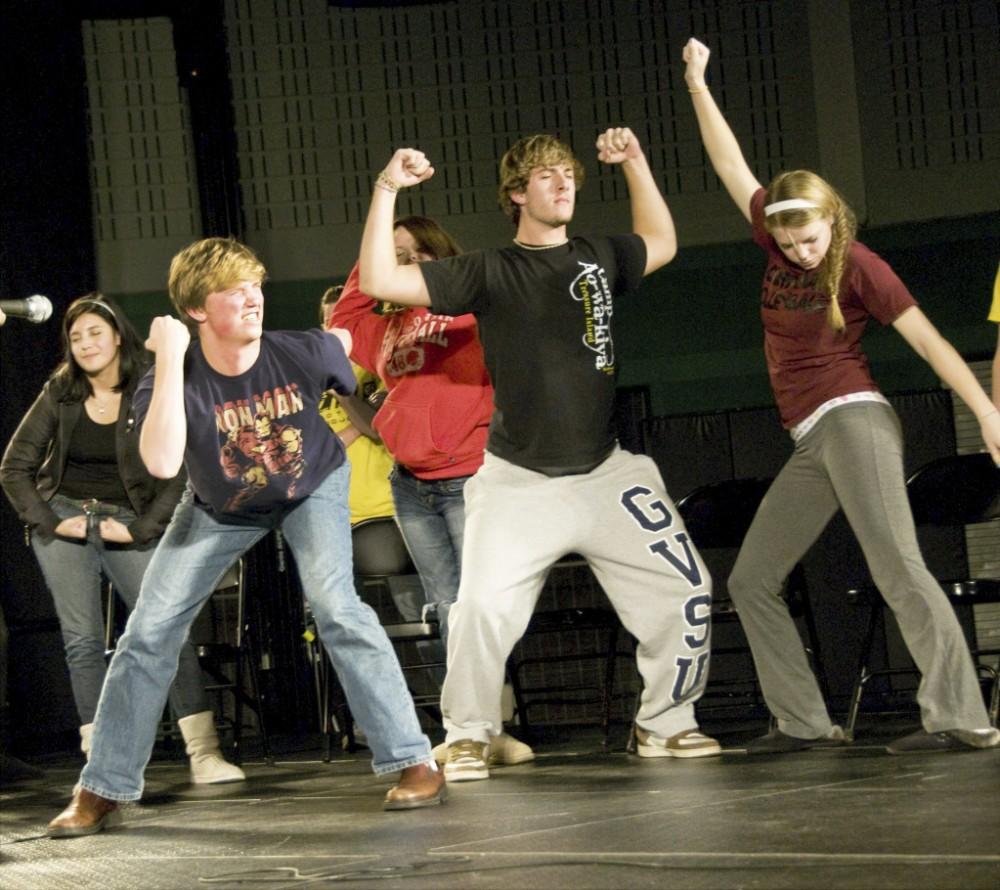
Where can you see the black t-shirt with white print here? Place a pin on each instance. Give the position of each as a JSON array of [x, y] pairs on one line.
[[545, 321], [256, 440]]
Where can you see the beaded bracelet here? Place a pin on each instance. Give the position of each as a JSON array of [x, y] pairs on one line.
[[385, 181]]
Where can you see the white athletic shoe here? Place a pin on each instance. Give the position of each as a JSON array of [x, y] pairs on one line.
[[686, 744], [466, 761], [504, 750]]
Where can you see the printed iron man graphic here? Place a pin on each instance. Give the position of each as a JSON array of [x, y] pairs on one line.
[[264, 453]]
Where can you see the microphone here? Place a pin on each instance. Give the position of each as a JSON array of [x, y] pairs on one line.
[[35, 308]]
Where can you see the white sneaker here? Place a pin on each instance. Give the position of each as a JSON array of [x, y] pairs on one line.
[[505, 750], [440, 753], [686, 744], [214, 769], [466, 761], [979, 738]]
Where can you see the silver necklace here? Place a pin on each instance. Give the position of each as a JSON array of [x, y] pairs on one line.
[[97, 402], [540, 246]]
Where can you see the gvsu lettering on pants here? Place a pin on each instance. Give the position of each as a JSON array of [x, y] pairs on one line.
[[654, 516]]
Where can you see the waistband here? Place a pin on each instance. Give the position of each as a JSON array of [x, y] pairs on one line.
[[803, 427], [94, 507]]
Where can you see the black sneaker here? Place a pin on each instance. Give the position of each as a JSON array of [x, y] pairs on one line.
[[777, 742], [924, 742]]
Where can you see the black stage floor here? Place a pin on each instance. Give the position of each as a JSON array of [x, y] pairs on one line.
[[576, 818]]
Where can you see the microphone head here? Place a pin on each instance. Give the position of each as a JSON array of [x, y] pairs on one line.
[[39, 308]]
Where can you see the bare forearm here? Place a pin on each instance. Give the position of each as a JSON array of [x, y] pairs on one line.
[[651, 217], [361, 414], [720, 143], [724, 151], [380, 275], [164, 431], [378, 251], [952, 369]]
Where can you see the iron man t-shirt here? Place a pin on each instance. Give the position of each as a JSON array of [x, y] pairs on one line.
[[256, 440]]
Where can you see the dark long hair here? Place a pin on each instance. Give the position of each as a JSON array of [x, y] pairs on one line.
[[430, 236], [69, 381]]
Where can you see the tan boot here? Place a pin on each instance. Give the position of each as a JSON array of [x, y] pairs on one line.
[[208, 766], [86, 732], [419, 786], [87, 813]]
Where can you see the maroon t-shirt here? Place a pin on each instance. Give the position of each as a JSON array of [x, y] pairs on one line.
[[808, 361]]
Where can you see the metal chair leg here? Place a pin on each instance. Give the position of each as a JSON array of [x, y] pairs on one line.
[[875, 619]]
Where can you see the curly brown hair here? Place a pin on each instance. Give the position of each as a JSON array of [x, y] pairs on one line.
[[528, 154]]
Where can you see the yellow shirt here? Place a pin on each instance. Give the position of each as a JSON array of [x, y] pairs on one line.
[[371, 463], [995, 308]]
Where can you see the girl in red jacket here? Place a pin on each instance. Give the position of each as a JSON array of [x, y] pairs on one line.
[[434, 420]]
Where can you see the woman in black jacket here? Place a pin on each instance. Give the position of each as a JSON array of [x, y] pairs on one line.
[[73, 473]]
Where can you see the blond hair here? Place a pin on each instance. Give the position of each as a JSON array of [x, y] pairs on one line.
[[528, 154], [831, 206], [208, 266]]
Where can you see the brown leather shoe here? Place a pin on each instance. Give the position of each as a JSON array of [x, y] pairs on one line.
[[87, 813], [419, 786]]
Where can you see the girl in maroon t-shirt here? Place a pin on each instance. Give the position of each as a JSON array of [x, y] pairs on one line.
[[820, 288]]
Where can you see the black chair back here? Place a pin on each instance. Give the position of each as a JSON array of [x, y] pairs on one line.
[[961, 489], [718, 515], [379, 549]]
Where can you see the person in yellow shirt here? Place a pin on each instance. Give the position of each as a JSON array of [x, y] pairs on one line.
[[350, 418], [370, 494], [995, 316]]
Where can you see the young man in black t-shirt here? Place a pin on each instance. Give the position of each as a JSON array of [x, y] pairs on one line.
[[554, 480], [239, 407]]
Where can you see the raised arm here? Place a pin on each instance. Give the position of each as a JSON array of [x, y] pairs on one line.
[[381, 276], [928, 343], [720, 144], [164, 431], [651, 218]]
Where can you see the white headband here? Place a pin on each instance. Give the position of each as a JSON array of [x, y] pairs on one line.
[[790, 204]]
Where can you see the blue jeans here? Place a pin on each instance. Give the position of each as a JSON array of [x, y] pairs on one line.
[[431, 517], [194, 553], [72, 570]]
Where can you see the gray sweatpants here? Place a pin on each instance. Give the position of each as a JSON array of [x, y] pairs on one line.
[[619, 517], [852, 458]]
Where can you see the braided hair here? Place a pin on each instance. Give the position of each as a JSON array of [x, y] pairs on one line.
[[830, 205]]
